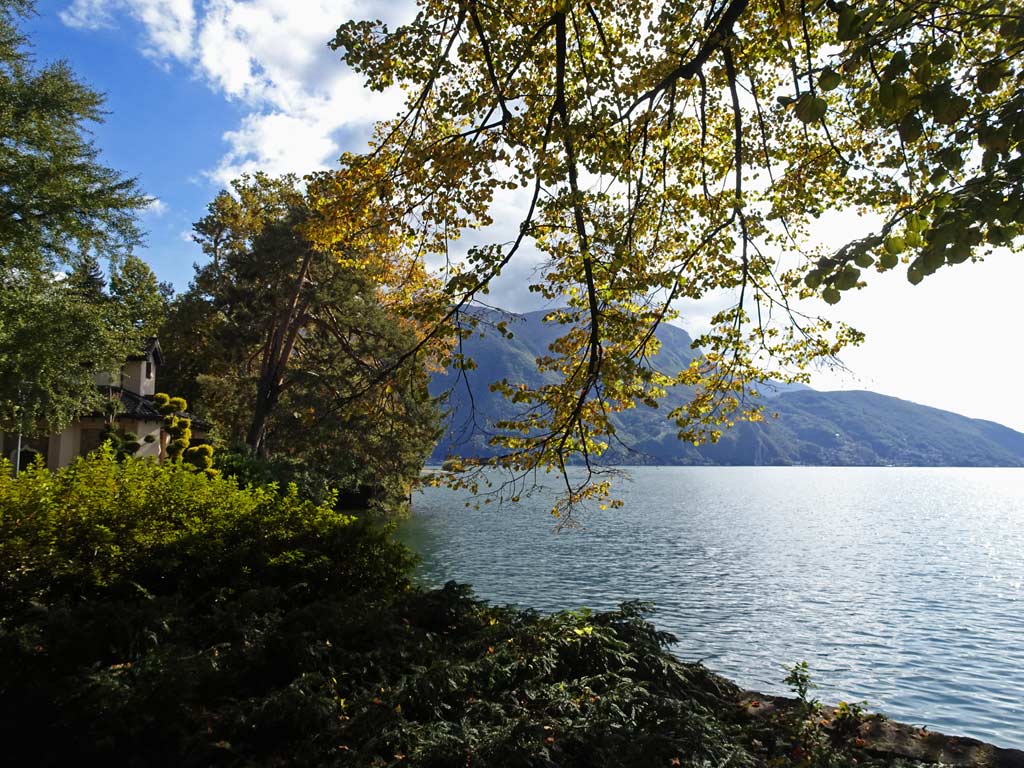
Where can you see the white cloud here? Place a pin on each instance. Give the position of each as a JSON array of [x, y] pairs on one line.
[[156, 207], [272, 57], [169, 24], [87, 14]]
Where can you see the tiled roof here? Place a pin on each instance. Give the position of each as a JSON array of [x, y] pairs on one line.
[[142, 407], [137, 406]]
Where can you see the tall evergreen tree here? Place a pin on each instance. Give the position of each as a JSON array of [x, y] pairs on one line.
[[58, 201], [60, 210], [140, 300], [86, 279], [297, 351]]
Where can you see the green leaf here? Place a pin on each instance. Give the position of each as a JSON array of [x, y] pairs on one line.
[[895, 245], [831, 296], [892, 95], [910, 128], [931, 260], [897, 65], [958, 253], [829, 80], [943, 52], [989, 78], [803, 108], [847, 278], [914, 273], [923, 72], [848, 24]]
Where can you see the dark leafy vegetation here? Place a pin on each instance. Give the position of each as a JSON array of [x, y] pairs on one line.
[[291, 353], [154, 615]]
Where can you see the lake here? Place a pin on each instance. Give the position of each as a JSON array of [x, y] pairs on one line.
[[900, 586]]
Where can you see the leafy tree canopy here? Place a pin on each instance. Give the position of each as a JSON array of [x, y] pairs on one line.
[[61, 210], [680, 150], [298, 349], [49, 338], [142, 301]]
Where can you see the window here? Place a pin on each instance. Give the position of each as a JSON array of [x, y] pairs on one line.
[[149, 369]]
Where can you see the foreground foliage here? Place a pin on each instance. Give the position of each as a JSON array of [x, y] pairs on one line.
[[152, 615]]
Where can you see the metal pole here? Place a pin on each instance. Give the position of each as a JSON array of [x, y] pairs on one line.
[[21, 426]]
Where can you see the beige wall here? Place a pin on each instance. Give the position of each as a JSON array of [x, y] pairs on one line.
[[134, 378], [131, 377], [143, 428], [63, 447]]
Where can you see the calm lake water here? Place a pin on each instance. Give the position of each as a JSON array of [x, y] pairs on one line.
[[904, 587]]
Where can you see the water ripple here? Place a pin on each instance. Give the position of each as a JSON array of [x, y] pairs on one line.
[[904, 587]]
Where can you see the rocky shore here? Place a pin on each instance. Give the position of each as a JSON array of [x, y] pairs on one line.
[[887, 739]]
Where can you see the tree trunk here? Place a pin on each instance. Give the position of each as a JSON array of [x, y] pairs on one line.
[[266, 399], [276, 356]]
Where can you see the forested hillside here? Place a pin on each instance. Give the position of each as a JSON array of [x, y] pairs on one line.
[[801, 426]]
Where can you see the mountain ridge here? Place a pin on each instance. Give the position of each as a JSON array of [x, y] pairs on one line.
[[834, 428]]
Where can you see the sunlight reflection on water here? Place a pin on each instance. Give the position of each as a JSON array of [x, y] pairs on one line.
[[901, 586]]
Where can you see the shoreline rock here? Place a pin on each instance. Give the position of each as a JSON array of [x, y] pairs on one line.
[[890, 739]]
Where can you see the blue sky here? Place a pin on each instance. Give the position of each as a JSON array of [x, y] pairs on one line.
[[202, 90], [164, 127], [198, 94]]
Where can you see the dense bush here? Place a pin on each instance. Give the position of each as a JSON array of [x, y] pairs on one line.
[[122, 583], [313, 482], [99, 526], [154, 616]]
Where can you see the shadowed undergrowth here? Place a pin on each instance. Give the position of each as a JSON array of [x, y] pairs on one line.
[[153, 616]]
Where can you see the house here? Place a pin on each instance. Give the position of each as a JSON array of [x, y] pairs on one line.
[[130, 393]]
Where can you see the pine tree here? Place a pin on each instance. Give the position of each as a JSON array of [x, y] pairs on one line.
[[86, 279], [60, 210], [140, 299], [59, 202]]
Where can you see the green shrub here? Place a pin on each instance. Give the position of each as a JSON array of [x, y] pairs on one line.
[[154, 616], [249, 469], [177, 427], [137, 600], [201, 457], [100, 524], [123, 443]]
